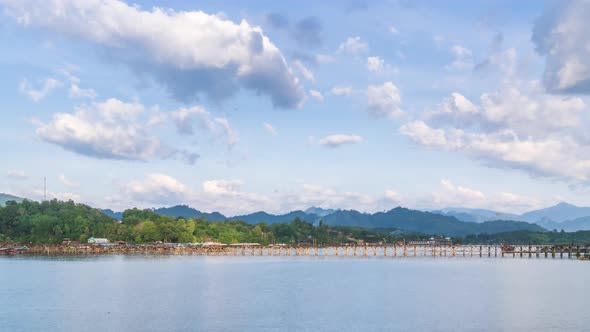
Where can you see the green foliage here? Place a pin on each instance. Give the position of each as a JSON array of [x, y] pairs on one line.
[[526, 237], [53, 221]]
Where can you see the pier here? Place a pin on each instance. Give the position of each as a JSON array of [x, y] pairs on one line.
[[371, 250]]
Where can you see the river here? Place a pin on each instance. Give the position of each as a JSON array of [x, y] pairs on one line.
[[198, 293]]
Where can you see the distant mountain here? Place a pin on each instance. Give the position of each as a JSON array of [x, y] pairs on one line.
[[318, 211], [185, 211], [6, 197], [579, 224], [261, 216], [112, 214], [477, 215], [558, 213], [424, 222]]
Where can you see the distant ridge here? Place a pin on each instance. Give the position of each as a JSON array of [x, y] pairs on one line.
[[7, 197], [401, 219], [424, 222], [561, 216]]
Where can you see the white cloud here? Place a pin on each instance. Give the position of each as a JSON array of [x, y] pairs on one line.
[[17, 175], [342, 90], [463, 58], [303, 71], [270, 128], [112, 130], [188, 52], [219, 128], [353, 46], [519, 126], [454, 195], [225, 196], [157, 189], [423, 134], [220, 187], [316, 95], [384, 100], [67, 182], [393, 30], [38, 195], [334, 141], [77, 92], [375, 63], [47, 87], [561, 35]]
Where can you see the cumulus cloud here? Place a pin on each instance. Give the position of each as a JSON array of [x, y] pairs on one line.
[[36, 95], [338, 140], [221, 195], [189, 53], [453, 195], [353, 46], [157, 189], [375, 63], [220, 129], [384, 100], [519, 126], [561, 35], [463, 58], [112, 129], [270, 129]]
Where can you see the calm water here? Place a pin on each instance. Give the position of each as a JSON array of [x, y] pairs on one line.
[[189, 293]]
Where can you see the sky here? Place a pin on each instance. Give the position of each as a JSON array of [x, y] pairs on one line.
[[241, 106]]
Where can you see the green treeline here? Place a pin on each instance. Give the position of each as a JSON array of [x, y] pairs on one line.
[[53, 221], [526, 237]]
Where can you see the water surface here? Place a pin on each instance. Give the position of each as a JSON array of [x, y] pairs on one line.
[[194, 293]]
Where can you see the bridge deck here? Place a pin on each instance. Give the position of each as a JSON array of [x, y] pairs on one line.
[[388, 250]]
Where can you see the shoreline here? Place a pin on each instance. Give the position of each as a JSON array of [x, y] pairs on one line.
[[387, 250]]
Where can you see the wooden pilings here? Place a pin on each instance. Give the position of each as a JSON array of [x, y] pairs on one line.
[[379, 250]]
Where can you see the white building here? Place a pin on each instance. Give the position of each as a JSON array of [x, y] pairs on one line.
[[95, 240]]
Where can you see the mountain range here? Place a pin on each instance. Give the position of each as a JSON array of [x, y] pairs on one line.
[[401, 219], [448, 221], [564, 216]]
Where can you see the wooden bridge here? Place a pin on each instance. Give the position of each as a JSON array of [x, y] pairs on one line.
[[383, 250]]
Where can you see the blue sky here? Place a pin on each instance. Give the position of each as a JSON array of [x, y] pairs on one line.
[[239, 106]]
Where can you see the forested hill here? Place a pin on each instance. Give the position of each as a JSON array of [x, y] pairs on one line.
[[7, 198], [424, 222], [52, 221]]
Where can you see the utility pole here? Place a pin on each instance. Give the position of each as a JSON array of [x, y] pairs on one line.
[[44, 188]]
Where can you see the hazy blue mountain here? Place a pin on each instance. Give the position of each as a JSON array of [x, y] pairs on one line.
[[558, 213], [112, 214], [185, 211], [423, 222], [6, 197], [261, 216], [477, 215], [318, 211], [579, 224]]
